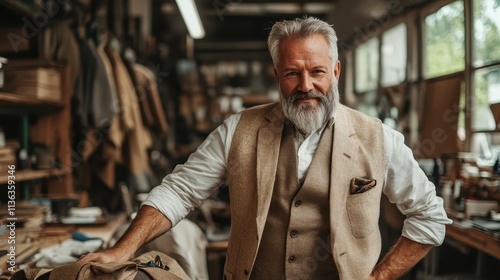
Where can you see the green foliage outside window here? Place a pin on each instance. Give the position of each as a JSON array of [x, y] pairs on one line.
[[444, 41]]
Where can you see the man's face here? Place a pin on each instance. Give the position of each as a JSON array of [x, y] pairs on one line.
[[307, 79]]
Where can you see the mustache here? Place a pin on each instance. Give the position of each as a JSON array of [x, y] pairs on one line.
[[306, 95]]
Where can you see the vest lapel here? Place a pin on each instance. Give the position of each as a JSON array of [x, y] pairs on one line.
[[268, 145], [344, 149]]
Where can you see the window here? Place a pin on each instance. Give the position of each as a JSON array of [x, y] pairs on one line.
[[394, 55], [366, 70], [366, 103], [486, 39], [444, 41], [486, 146], [486, 92], [486, 32]]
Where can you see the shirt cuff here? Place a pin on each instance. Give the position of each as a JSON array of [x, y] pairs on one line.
[[160, 198], [426, 232]]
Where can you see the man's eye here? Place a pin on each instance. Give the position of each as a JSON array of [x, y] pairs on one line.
[[291, 74], [318, 72]]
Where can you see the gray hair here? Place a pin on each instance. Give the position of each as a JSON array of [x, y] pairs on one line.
[[298, 29]]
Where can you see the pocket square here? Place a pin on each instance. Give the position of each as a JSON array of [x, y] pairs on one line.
[[361, 185]]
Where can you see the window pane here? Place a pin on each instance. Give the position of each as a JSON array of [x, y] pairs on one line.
[[444, 41], [486, 31], [486, 92], [366, 103], [394, 55], [367, 58], [485, 146]]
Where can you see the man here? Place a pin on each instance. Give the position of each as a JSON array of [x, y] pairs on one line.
[[305, 177]]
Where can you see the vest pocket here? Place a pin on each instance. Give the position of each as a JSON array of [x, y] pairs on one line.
[[363, 211]]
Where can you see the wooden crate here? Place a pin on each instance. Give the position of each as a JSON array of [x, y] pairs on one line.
[[36, 80], [7, 157]]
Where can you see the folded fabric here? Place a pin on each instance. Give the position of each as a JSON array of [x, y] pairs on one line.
[[152, 265], [361, 185], [67, 252], [85, 212], [79, 236]]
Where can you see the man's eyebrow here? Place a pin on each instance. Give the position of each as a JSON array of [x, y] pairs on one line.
[[320, 67]]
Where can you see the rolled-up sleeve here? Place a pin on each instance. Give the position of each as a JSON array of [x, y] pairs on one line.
[[408, 187], [190, 183]]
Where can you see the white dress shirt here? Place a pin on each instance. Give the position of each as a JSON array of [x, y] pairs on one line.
[[405, 183]]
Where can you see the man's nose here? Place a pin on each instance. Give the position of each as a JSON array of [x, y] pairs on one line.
[[305, 83]]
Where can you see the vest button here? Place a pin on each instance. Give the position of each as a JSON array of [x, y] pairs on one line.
[[291, 259], [246, 272], [294, 233], [298, 203]]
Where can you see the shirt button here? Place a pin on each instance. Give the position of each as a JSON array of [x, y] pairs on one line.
[[298, 203], [291, 259], [294, 233]]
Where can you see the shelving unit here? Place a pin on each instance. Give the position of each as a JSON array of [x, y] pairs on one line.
[[18, 7], [15, 104], [7, 99], [27, 175], [51, 127]]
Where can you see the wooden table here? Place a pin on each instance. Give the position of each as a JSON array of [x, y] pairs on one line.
[[484, 242], [52, 235], [105, 232]]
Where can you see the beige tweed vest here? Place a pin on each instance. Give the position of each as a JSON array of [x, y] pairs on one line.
[[295, 242], [352, 219]]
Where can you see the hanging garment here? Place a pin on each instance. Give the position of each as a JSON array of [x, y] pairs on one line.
[[151, 104], [103, 92], [59, 45], [138, 137]]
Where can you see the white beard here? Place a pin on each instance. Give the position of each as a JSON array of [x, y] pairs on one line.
[[305, 117]]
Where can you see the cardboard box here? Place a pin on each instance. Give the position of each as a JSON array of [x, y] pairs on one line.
[[36, 80], [7, 157], [479, 208]]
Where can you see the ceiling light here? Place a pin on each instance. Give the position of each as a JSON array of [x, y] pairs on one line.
[[278, 8], [191, 18]]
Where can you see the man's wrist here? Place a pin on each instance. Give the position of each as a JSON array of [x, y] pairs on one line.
[[378, 274], [121, 253]]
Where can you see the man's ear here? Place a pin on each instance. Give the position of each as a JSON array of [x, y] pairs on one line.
[[336, 70]]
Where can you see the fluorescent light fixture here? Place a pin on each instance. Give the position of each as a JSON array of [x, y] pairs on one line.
[[278, 8], [191, 18]]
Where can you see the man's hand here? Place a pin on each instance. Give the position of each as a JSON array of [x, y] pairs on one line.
[[404, 255], [107, 256], [147, 225]]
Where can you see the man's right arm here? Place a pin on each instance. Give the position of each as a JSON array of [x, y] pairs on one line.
[[147, 225], [179, 192]]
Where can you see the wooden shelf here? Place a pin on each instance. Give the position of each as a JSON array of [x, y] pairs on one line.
[[254, 100], [18, 7], [16, 102], [27, 175]]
